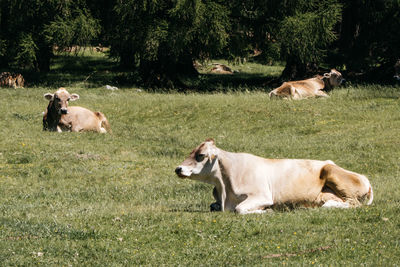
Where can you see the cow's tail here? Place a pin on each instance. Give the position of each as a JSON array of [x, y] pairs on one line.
[[370, 195], [104, 122]]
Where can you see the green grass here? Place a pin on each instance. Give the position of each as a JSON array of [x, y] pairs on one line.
[[108, 200], [92, 199]]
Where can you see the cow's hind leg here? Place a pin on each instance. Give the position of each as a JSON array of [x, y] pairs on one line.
[[328, 199], [348, 186], [253, 205]]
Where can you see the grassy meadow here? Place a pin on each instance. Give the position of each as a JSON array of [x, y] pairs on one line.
[[87, 199]]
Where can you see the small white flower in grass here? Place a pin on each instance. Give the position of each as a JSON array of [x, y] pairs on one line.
[[117, 219], [120, 239]]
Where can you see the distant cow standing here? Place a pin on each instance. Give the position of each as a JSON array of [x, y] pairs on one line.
[[59, 117], [312, 87]]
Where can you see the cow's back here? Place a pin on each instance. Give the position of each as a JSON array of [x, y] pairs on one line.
[[299, 89], [294, 180], [309, 87], [82, 119]]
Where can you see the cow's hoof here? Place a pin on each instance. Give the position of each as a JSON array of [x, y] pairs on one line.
[[215, 207]]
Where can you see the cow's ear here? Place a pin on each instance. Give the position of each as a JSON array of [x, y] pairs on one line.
[[211, 140], [74, 97], [212, 153], [48, 96], [327, 75]]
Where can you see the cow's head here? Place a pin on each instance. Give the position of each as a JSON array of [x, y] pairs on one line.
[[334, 77], [200, 162], [11, 82], [60, 100], [19, 80]]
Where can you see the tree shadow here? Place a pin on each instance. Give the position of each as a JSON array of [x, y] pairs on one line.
[[236, 82], [188, 210], [97, 70], [86, 71]]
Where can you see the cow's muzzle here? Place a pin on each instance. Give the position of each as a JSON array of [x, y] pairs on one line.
[[64, 111], [178, 172]]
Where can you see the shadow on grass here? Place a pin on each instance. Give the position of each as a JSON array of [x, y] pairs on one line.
[[189, 210], [235, 82], [99, 70], [86, 71]]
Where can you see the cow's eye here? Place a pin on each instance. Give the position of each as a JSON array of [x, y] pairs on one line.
[[200, 157]]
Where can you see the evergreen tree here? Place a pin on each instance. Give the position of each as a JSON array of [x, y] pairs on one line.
[[162, 38], [369, 39], [305, 36], [30, 29], [297, 32]]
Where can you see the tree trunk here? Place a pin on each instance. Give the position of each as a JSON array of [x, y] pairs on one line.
[[166, 72], [127, 59], [349, 32], [294, 69], [43, 57]]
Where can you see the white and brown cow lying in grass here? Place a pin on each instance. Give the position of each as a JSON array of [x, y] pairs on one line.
[[59, 117], [249, 184], [317, 86]]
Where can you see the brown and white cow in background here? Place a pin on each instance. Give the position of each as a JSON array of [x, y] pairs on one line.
[[249, 184], [15, 80], [317, 86], [59, 117], [221, 69]]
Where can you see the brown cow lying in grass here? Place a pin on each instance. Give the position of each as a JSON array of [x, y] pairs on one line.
[[317, 86], [221, 69], [59, 117], [15, 80], [249, 184]]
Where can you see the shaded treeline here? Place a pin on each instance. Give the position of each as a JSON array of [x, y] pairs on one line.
[[159, 40]]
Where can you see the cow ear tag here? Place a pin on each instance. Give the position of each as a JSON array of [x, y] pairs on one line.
[[212, 158]]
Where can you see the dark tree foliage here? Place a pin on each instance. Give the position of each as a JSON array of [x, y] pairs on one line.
[[305, 36], [159, 40], [369, 40], [295, 31], [101, 10], [31, 29], [162, 38]]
